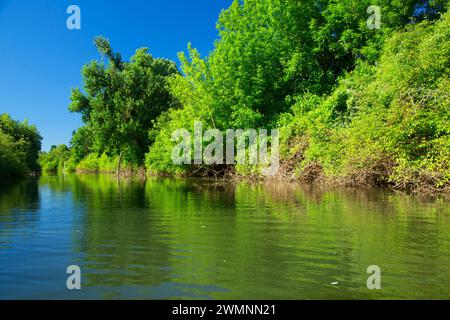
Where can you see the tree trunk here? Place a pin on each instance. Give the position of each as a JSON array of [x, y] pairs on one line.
[[118, 165]]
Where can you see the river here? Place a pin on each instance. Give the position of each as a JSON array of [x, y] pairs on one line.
[[196, 239]]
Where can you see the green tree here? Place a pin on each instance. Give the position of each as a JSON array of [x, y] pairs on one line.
[[271, 50], [273, 53], [384, 124], [120, 102], [81, 143], [11, 158], [20, 146], [54, 161]]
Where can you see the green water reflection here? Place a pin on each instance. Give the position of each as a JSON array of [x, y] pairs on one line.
[[193, 239]]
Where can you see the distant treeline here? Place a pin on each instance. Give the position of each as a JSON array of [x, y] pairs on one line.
[[354, 104]]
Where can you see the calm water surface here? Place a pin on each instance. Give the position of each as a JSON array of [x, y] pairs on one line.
[[168, 239]]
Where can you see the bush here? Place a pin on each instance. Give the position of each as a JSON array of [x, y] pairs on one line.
[[89, 164], [20, 144], [94, 163], [54, 161]]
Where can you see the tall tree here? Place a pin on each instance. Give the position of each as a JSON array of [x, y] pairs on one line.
[[20, 146], [122, 99]]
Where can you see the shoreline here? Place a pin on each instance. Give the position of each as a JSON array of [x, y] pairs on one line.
[[231, 176]]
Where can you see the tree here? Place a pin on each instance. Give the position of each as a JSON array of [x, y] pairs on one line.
[[81, 143], [54, 161], [276, 60], [121, 100], [269, 51], [11, 158], [20, 146]]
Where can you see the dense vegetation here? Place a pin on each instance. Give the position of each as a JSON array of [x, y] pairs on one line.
[[118, 106], [354, 104], [20, 144], [55, 160], [388, 123]]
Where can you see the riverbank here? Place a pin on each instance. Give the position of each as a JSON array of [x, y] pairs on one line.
[[380, 121]]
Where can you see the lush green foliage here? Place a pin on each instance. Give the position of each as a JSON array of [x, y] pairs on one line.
[[119, 103], [55, 160], [95, 163], [388, 123], [354, 103], [20, 144], [365, 104]]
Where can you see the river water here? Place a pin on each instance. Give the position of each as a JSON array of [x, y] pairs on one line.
[[194, 239]]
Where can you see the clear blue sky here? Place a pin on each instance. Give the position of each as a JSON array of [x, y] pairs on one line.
[[40, 59]]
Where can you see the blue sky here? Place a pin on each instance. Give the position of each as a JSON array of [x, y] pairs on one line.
[[41, 60]]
